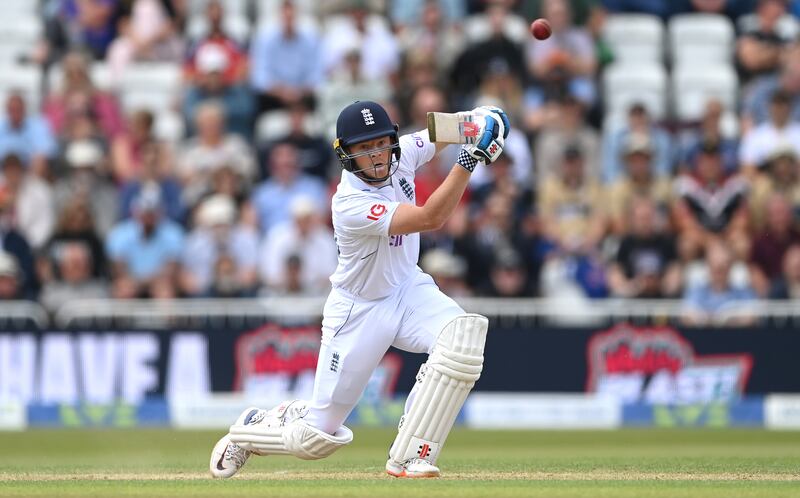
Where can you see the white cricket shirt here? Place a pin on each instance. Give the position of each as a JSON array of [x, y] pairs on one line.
[[371, 263]]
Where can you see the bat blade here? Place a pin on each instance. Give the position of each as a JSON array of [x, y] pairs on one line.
[[459, 128]]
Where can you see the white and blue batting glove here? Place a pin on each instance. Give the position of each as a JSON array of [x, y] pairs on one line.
[[489, 143], [497, 111]]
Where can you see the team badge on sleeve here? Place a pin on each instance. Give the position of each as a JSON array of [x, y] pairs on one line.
[[376, 211]]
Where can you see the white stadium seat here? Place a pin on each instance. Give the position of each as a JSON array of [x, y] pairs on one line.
[[270, 10], [236, 27], [153, 86], [18, 37], [625, 84], [99, 72], [25, 78], [701, 38], [694, 85], [169, 126], [231, 7], [635, 38]]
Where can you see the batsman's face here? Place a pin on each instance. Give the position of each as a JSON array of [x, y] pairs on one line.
[[372, 156]]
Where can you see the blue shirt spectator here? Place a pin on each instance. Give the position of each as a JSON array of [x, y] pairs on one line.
[[409, 12], [614, 145], [272, 198], [28, 137]]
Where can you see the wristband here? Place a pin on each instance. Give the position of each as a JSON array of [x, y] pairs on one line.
[[466, 161]]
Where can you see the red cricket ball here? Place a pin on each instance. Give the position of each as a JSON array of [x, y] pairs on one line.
[[540, 29]]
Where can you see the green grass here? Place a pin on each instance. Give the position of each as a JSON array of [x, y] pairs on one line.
[[618, 464]]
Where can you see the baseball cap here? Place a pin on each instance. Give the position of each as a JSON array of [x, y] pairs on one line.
[[83, 153], [8, 265], [638, 143], [218, 209], [211, 58], [302, 206], [149, 199], [441, 262]]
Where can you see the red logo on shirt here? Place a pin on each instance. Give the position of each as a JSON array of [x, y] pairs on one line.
[[376, 211]]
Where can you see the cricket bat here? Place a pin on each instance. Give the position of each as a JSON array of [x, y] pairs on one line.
[[453, 128]]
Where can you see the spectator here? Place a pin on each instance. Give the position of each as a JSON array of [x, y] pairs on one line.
[[777, 133], [145, 250], [213, 148], [568, 128], [710, 205], [13, 243], [73, 277], [646, 263], [503, 182], [780, 175], [80, 24], [411, 13], [710, 128], [787, 286], [508, 277], [717, 302], [147, 33], [10, 288], [78, 97], [565, 62], [273, 198], [755, 105], [771, 244], [235, 71], [155, 170], [759, 48], [286, 62], [292, 286], [448, 271], [76, 225], [220, 256], [314, 152], [210, 84], [661, 8], [28, 137], [33, 213], [305, 237], [614, 145], [86, 181], [127, 152], [638, 182], [433, 35]]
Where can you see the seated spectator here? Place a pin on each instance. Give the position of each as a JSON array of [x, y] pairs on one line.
[[614, 142], [10, 288], [76, 225], [777, 133], [569, 127], [646, 263], [448, 271], [235, 71], [717, 302], [209, 84], [78, 96], [759, 48], [787, 286], [433, 34], [709, 129], [89, 25], [639, 182], [72, 277], [33, 212], [755, 108], [14, 243], [126, 153], [780, 175], [305, 237], [213, 148], [502, 181], [220, 256], [410, 13], [273, 198], [292, 285], [565, 62], [770, 244], [87, 181], [571, 206], [26, 136], [147, 33], [315, 153], [286, 62], [508, 276], [154, 170], [709, 205], [144, 251]]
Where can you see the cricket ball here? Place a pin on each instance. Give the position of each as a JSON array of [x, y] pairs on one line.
[[540, 29]]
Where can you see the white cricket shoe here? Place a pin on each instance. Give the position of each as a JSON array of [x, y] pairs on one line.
[[228, 457], [413, 469]]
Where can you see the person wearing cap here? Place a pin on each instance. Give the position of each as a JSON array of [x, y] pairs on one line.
[[33, 211], [210, 83], [779, 175], [217, 235], [144, 250], [779, 132], [448, 271], [305, 236], [155, 168], [709, 205], [639, 122], [639, 181], [71, 276], [569, 126], [508, 276], [27, 136], [235, 70], [10, 288]]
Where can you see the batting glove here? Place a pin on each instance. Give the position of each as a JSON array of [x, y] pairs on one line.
[[482, 110], [489, 143]]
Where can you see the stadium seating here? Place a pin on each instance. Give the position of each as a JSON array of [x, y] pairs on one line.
[[694, 85], [635, 38], [25, 78], [18, 36], [628, 83], [701, 38], [154, 86]]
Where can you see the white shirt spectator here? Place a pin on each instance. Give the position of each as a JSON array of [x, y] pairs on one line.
[[765, 139], [380, 50]]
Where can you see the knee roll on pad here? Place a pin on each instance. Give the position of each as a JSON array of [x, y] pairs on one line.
[[443, 384]]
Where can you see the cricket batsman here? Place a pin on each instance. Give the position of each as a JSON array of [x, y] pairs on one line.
[[381, 298]]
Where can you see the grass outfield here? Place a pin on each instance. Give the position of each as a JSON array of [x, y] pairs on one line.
[[618, 464]]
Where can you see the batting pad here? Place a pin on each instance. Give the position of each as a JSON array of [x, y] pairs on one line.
[[296, 438], [443, 383]]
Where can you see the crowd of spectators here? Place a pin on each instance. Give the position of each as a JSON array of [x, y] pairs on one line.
[[96, 202]]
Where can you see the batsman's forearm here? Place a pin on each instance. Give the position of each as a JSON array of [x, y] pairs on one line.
[[443, 201]]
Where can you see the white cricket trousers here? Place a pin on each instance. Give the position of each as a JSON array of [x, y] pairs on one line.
[[356, 334]]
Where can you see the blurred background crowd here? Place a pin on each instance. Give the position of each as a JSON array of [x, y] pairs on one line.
[[182, 148]]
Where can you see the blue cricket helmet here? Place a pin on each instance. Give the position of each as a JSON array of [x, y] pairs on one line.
[[359, 122]]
